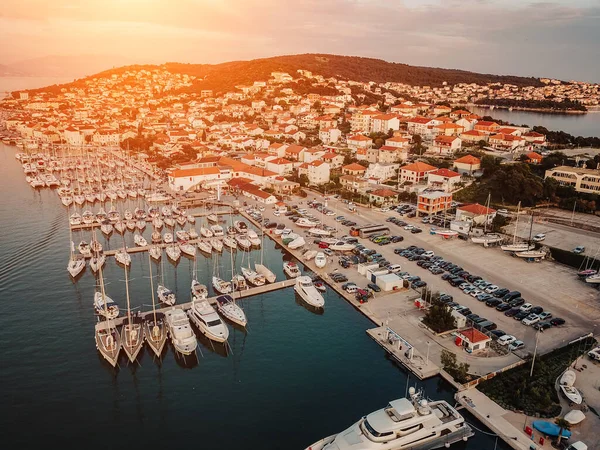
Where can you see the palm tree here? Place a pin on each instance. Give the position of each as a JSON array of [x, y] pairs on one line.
[[563, 424]]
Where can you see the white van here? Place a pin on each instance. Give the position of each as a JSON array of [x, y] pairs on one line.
[[352, 289], [394, 268]]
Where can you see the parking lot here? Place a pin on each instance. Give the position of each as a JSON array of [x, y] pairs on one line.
[[553, 287]]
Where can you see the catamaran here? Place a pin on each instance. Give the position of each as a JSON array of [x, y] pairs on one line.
[[132, 335], [308, 292]]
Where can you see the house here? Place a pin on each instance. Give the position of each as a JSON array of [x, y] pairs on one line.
[[73, 136], [382, 171], [472, 339], [475, 213], [534, 138], [389, 154], [468, 164], [407, 109], [359, 141], [398, 142], [447, 129], [329, 135], [444, 179], [354, 183], [581, 179], [473, 136], [318, 172], [422, 126], [433, 202], [459, 114], [384, 122], [295, 152], [445, 145], [438, 110], [506, 141], [280, 166], [313, 154], [533, 158], [367, 154], [468, 123], [186, 179], [486, 127], [335, 160], [383, 197], [325, 122], [354, 169], [277, 149], [416, 172], [255, 193]]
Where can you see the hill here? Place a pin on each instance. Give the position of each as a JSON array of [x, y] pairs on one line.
[[225, 76]]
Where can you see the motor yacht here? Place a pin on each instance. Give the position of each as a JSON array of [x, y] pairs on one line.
[[296, 243], [221, 286], [199, 291], [406, 423], [204, 316], [342, 246], [487, 239], [308, 292], [231, 311], [217, 230], [180, 331], [243, 242], [320, 260], [253, 238], [291, 269], [309, 255], [240, 226], [239, 282], [230, 242]]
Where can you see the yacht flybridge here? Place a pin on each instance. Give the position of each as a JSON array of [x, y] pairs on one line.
[[412, 423]]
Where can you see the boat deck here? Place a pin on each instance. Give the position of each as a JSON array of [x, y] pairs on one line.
[[270, 287]]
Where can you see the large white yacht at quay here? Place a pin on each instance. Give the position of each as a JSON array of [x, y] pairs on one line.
[[407, 423], [305, 288]]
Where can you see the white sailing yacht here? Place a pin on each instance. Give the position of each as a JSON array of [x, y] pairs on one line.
[[155, 252], [217, 244], [517, 246], [219, 285], [139, 240], [252, 277], [173, 252], [108, 340], [155, 330], [132, 335], [487, 238], [262, 268], [76, 262], [229, 309]]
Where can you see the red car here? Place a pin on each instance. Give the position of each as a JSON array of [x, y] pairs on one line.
[[323, 245]]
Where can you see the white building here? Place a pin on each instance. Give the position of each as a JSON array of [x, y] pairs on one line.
[[382, 171], [318, 172], [330, 135]]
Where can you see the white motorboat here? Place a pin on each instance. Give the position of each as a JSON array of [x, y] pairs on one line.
[[85, 249], [139, 240], [242, 242], [199, 291], [575, 416], [523, 247], [173, 253], [404, 424], [122, 257], [304, 288], [342, 246], [230, 242], [297, 243], [206, 232], [253, 277], [593, 279], [291, 269], [204, 316], [319, 232], [76, 265], [212, 218], [320, 260], [180, 331], [253, 238], [217, 230], [155, 252], [217, 244], [571, 393], [309, 255], [165, 295], [279, 229], [305, 223], [221, 286], [187, 249], [239, 282], [231, 311], [168, 238], [105, 306], [205, 247], [568, 378], [240, 226], [265, 272], [96, 262]]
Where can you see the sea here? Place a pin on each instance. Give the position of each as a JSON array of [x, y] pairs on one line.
[[292, 378]]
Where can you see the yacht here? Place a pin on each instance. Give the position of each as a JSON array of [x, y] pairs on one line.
[[168, 238], [279, 229], [487, 239], [191, 219], [120, 226], [319, 232], [342, 246], [231, 311], [205, 247], [309, 255], [230, 242], [122, 257], [252, 277], [291, 269], [85, 249], [304, 288], [593, 279], [130, 224], [155, 252], [76, 265], [217, 230], [320, 260], [87, 217], [532, 254], [265, 272], [75, 219], [182, 235], [305, 223], [240, 226], [165, 295], [106, 228], [242, 242], [193, 233], [217, 244], [199, 291], [140, 225], [253, 238], [221, 286], [187, 249], [105, 306], [206, 232], [157, 223], [180, 331], [523, 247], [239, 283], [169, 221], [181, 220], [405, 423], [139, 240], [156, 237], [208, 321], [96, 262], [174, 253], [108, 343], [66, 200], [212, 218]]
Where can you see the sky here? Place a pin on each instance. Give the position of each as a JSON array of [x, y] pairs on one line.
[[553, 38]]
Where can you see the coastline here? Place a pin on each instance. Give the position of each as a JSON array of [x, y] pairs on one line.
[[538, 110]]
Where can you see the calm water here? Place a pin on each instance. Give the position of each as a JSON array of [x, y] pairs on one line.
[[293, 378], [9, 84], [585, 125]]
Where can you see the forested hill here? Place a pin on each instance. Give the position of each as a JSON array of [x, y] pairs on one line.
[[225, 76]]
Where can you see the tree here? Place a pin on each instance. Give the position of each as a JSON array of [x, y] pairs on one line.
[[564, 425], [460, 372], [303, 180], [499, 222], [439, 318], [490, 164]]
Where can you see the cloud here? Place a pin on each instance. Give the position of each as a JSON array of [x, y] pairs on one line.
[[507, 36]]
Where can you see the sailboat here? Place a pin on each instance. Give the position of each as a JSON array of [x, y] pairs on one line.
[[261, 268], [212, 218], [486, 238], [155, 252], [199, 291], [517, 247], [108, 340], [132, 336], [251, 276], [536, 254], [155, 330], [229, 309], [217, 244], [205, 247], [219, 285], [103, 304], [76, 262], [173, 252]]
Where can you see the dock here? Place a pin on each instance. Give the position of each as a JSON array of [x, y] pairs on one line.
[[162, 245], [267, 287]]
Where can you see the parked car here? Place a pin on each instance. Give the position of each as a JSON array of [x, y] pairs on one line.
[[539, 237], [507, 339], [531, 319], [374, 287], [517, 302], [526, 307], [512, 312], [416, 230], [497, 334], [516, 345], [501, 292], [541, 326], [579, 250], [546, 315], [503, 307], [521, 315], [493, 302], [557, 321], [418, 284], [536, 310]]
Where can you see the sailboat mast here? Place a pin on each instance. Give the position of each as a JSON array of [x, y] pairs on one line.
[[516, 224], [152, 287], [128, 303]]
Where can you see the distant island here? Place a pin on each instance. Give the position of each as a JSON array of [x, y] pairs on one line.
[[571, 106]]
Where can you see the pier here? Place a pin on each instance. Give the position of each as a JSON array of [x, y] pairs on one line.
[[270, 287]]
